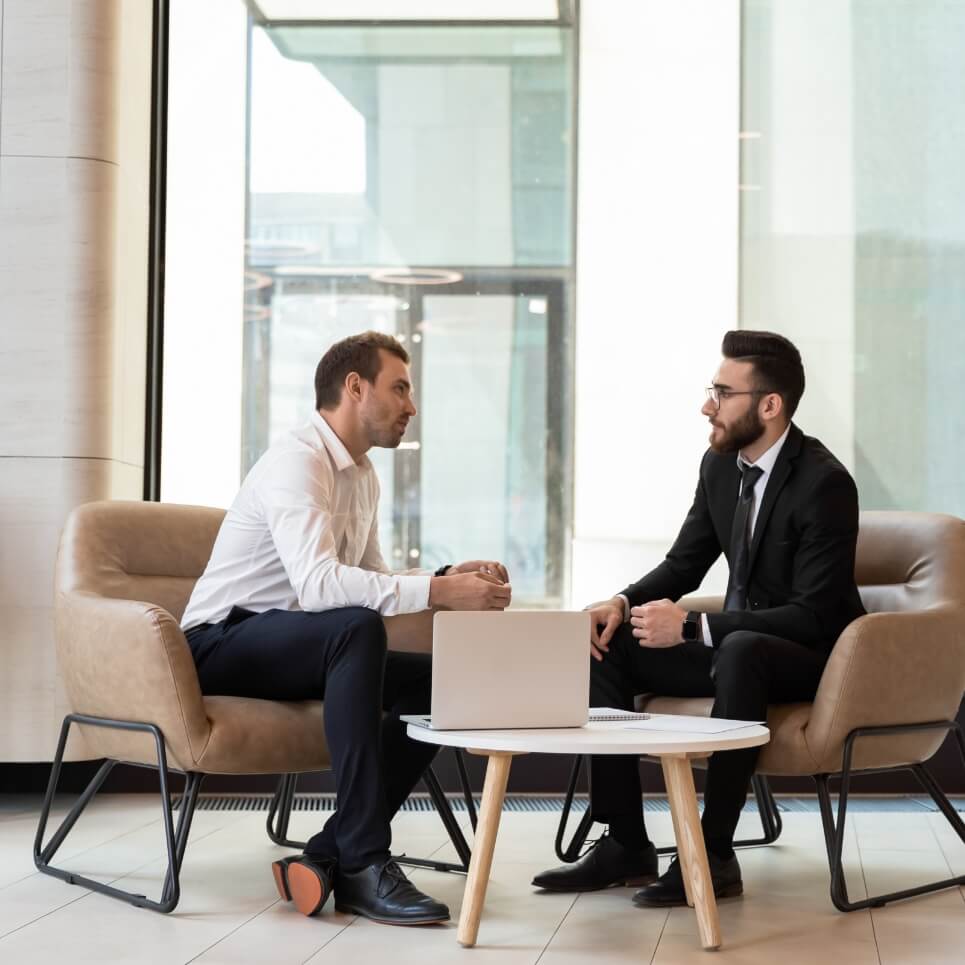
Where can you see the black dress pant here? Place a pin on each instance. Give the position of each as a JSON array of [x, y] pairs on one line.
[[744, 674], [341, 656]]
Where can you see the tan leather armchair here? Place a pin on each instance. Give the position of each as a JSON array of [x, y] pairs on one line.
[[890, 691], [125, 571]]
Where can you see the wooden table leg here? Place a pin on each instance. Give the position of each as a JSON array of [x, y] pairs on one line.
[[677, 835], [480, 864], [690, 847]]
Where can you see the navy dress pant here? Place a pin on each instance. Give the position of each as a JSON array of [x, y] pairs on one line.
[[744, 674], [339, 656]]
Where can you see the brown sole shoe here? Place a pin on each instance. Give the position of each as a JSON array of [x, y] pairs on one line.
[[279, 870], [309, 887]]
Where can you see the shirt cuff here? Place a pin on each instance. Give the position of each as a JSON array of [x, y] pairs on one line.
[[626, 607], [413, 593], [705, 631]]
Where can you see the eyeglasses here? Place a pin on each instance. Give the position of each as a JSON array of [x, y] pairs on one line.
[[716, 395]]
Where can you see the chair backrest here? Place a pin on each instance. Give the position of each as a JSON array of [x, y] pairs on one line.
[[152, 552], [125, 571], [910, 561]]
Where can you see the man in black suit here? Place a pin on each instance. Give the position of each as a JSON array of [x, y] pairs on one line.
[[785, 513]]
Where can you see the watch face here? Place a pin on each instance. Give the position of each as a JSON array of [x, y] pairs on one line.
[[690, 630]]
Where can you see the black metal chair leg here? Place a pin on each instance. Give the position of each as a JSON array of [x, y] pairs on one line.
[[466, 787], [571, 852], [766, 805], [769, 814], [834, 830], [452, 827], [186, 808], [279, 814], [175, 843]]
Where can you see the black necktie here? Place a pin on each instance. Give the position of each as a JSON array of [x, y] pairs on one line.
[[740, 549]]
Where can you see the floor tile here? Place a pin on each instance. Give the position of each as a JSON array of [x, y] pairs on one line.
[[230, 912]]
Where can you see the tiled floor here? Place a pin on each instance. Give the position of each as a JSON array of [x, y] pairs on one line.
[[229, 912]]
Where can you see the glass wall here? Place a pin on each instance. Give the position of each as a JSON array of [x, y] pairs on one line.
[[418, 180], [853, 229]]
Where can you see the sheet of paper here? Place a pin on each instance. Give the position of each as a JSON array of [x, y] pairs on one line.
[[682, 724]]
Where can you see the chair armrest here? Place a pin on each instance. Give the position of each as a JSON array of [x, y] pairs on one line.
[[126, 660], [889, 668], [702, 604], [410, 632]]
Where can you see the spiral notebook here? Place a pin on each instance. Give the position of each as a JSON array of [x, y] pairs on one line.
[[612, 713]]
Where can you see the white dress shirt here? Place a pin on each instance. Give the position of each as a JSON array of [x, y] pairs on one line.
[[766, 464], [302, 534]]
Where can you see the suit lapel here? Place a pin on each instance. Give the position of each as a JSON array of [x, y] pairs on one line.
[[779, 476]]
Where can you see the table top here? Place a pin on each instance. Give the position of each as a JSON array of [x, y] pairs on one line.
[[598, 737]]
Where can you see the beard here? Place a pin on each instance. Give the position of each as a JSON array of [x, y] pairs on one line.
[[741, 434], [382, 431]]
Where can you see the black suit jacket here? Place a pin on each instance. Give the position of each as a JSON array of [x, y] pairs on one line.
[[801, 580]]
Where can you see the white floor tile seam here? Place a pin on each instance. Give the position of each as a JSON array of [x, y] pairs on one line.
[[735, 932], [85, 893], [556, 930], [234, 931], [864, 881], [325, 944], [341, 932], [944, 854], [72, 855]]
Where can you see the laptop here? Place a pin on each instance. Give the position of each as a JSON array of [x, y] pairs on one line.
[[509, 669]]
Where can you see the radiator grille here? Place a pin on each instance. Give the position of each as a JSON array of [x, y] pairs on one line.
[[554, 803]]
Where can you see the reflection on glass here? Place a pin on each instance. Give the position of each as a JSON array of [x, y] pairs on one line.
[[417, 181], [854, 244]]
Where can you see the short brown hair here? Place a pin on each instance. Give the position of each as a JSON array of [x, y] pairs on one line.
[[776, 360], [357, 353]]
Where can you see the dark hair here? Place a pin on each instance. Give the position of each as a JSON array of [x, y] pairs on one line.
[[357, 353], [777, 363]]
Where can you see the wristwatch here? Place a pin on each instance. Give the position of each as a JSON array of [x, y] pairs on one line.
[[691, 627], [442, 570]]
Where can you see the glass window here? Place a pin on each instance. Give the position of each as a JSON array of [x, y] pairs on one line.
[[853, 229], [418, 181]]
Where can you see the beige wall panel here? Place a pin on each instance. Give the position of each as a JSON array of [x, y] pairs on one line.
[[93, 83], [32, 712], [59, 78], [56, 303], [89, 320], [73, 296], [127, 481], [133, 213], [34, 77], [36, 495], [32, 299]]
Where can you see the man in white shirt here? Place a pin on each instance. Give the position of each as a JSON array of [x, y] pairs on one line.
[[785, 512], [290, 607]]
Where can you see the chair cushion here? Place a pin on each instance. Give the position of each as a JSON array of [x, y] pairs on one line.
[[263, 737]]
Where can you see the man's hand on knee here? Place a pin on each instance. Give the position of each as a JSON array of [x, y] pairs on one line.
[[605, 618]]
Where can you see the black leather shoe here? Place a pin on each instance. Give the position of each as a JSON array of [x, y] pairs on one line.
[[668, 889], [304, 881], [383, 893], [605, 865]]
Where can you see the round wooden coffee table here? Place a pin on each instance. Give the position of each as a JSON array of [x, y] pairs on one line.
[[675, 751]]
